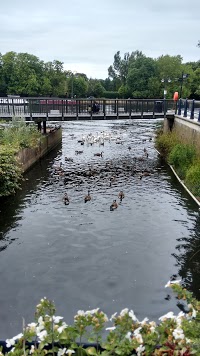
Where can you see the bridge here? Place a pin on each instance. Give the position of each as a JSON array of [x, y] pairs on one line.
[[58, 109]]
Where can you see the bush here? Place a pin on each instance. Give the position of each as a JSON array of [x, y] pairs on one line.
[[165, 142], [192, 179], [182, 157]]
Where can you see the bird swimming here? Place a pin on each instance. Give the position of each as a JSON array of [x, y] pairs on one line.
[[121, 195], [66, 199], [87, 197], [114, 205]]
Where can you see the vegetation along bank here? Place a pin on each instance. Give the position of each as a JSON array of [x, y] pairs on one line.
[[183, 157]]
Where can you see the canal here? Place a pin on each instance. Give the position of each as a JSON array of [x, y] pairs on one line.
[[82, 255]]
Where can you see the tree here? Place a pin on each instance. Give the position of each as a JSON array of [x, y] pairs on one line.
[[95, 88], [119, 69]]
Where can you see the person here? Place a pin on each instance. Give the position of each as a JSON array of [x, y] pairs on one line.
[[95, 107]]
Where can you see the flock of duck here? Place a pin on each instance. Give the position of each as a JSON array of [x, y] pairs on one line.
[[105, 172]]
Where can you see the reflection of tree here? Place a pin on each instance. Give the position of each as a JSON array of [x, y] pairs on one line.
[[188, 260], [10, 206]]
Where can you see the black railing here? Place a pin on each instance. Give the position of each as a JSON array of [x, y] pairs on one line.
[[48, 108]]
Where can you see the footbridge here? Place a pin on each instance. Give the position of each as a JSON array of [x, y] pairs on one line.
[[58, 109]]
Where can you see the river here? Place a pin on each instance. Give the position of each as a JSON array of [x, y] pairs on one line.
[[83, 255]]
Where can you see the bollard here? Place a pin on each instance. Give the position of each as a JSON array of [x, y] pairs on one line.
[[179, 107], [185, 109], [199, 116], [192, 111]]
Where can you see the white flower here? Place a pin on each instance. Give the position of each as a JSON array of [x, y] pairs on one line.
[[113, 316], [172, 282], [178, 333], [124, 312], [143, 322], [32, 349], [42, 335], [137, 335], [10, 342], [169, 315], [62, 327], [194, 313], [19, 336], [180, 317], [32, 327], [132, 316], [70, 352], [128, 336], [61, 352], [56, 319], [140, 349], [111, 328], [81, 312]]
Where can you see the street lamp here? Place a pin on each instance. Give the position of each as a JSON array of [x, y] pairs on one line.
[[183, 76], [165, 81], [71, 75]]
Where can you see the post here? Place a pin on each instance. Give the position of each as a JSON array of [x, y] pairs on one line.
[[185, 109], [181, 85], [129, 108], [142, 109], [199, 116], [44, 127], [164, 103], [104, 109], [76, 110], [179, 107], [117, 103], [62, 110], [192, 111]]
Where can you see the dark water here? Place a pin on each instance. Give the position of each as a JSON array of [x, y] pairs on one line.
[[85, 256]]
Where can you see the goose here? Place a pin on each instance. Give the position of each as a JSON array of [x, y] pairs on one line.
[[121, 195], [66, 199], [114, 205], [87, 197]]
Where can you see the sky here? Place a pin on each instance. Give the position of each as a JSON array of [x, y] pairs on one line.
[[85, 34]]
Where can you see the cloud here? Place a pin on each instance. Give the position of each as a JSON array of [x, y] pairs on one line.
[[85, 35]]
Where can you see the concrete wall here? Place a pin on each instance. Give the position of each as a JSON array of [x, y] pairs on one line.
[[187, 130], [29, 156]]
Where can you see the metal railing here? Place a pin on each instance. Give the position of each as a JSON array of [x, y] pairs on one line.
[[48, 108]]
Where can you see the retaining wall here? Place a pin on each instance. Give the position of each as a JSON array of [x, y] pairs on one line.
[[29, 156], [187, 130]]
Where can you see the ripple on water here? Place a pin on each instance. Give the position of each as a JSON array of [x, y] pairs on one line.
[[83, 255]]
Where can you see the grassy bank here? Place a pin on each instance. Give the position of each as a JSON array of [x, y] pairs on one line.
[[13, 138], [184, 158]]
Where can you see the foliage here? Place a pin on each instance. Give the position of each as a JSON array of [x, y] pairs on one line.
[[165, 142], [174, 335], [192, 179], [13, 138], [182, 157]]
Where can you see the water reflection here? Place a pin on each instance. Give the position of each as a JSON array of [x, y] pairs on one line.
[[83, 255]]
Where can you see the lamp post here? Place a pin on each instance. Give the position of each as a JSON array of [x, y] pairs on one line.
[[71, 75], [183, 76], [165, 81]]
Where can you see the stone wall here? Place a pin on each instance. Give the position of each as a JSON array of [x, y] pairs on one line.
[[187, 130], [29, 156]]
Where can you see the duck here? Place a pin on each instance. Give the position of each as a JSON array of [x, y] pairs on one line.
[[66, 199], [112, 180], [87, 197], [121, 195], [129, 148], [114, 205], [98, 154], [68, 159]]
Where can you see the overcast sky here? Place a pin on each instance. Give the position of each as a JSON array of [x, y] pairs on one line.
[[86, 34]]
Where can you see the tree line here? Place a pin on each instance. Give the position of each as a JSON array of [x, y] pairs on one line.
[[133, 75]]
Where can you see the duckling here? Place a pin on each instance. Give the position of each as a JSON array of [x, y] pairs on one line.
[[87, 197], [129, 148], [121, 195], [99, 154], [114, 205], [66, 199]]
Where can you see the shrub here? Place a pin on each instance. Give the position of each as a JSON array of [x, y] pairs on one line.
[[165, 142], [182, 157], [192, 179]]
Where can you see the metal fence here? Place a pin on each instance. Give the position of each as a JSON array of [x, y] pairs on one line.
[[49, 108]]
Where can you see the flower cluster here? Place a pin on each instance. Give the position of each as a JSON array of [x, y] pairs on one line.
[[173, 335]]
